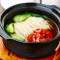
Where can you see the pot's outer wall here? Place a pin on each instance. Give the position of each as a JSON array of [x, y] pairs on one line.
[[30, 50]]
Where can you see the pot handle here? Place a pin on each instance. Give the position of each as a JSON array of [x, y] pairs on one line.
[[3, 34], [56, 9]]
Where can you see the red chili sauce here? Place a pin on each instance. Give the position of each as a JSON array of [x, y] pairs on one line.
[[40, 35]]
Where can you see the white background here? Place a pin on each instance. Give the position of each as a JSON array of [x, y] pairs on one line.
[[8, 3]]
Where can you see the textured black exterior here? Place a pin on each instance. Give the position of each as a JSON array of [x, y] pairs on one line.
[[29, 49]]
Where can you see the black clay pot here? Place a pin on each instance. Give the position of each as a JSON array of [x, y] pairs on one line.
[[29, 49]]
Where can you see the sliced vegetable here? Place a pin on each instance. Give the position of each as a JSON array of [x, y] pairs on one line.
[[20, 18], [16, 18], [38, 15], [10, 28], [17, 37], [35, 15]]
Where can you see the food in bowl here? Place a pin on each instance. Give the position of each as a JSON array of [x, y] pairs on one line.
[[31, 27]]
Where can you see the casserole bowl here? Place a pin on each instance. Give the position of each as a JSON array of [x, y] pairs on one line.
[[30, 49]]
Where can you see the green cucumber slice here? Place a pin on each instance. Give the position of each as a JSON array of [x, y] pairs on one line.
[[9, 28], [17, 37], [20, 18]]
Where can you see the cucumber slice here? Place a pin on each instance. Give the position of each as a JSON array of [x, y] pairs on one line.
[[35, 15], [9, 28], [16, 18], [17, 37], [20, 18]]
